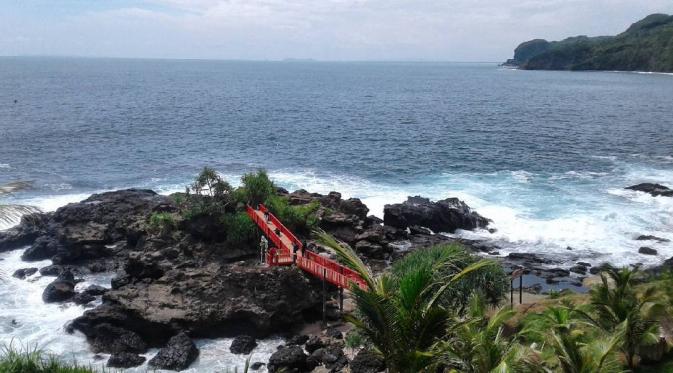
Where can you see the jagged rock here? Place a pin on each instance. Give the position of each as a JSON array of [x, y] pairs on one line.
[[578, 269], [442, 216], [43, 248], [179, 353], [372, 250], [95, 290], [297, 340], [125, 360], [30, 227], [314, 343], [375, 233], [256, 366], [653, 189], [529, 258], [24, 272], [652, 238], [332, 357], [106, 338], [52, 270], [334, 333], [243, 344], [367, 362], [647, 251], [83, 298], [61, 289], [290, 359]]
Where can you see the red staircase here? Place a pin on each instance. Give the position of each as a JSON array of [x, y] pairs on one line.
[[309, 261]]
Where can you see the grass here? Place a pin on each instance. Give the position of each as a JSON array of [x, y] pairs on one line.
[[34, 360]]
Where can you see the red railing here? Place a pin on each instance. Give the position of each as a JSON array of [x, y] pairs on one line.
[[309, 261]]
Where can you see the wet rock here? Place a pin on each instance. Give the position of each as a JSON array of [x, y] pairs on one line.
[[652, 238], [30, 227], [243, 344], [647, 251], [24, 272], [297, 340], [125, 360], [584, 264], [529, 258], [653, 189], [52, 270], [61, 289], [83, 298], [371, 250], [417, 229], [106, 338], [43, 248], [178, 354], [291, 359], [256, 366], [441, 216], [578, 269], [367, 362], [95, 290]]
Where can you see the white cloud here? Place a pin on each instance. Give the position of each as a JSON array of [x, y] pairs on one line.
[[323, 29]]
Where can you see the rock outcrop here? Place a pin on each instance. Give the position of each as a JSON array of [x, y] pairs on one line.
[[655, 190], [178, 354], [446, 215]]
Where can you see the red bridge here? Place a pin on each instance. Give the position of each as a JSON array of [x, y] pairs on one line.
[[286, 244]]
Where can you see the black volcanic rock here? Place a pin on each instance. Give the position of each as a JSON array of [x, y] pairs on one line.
[[61, 289], [653, 189], [24, 272], [647, 251], [243, 344], [125, 360], [446, 215], [289, 359], [179, 354]]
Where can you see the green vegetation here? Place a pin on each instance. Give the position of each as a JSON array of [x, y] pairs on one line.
[[421, 317], [36, 361], [645, 46], [213, 210], [162, 222]]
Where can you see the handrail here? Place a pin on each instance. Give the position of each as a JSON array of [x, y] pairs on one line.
[[309, 261]]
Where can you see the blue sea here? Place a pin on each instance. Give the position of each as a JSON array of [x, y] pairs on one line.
[[546, 155]]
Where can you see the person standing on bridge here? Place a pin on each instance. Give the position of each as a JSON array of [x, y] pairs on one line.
[[303, 248], [266, 216], [295, 248], [263, 247]]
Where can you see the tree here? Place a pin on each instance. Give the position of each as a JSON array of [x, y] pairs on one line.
[[476, 343], [257, 187], [210, 184], [402, 317], [620, 309]]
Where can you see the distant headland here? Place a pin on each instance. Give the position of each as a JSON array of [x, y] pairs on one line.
[[646, 45]]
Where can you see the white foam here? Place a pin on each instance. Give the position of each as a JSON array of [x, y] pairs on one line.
[[4, 166]]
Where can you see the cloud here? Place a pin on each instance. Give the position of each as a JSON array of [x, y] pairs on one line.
[[466, 30]]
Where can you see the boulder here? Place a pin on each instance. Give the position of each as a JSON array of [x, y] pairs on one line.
[[653, 189], [372, 250], [243, 344], [178, 354], [582, 270], [297, 340], [367, 361], [647, 251], [83, 298], [24, 272], [256, 366], [125, 360], [652, 238], [290, 359], [61, 289], [107, 338], [95, 290], [314, 343], [331, 357], [446, 215], [43, 248], [30, 227]]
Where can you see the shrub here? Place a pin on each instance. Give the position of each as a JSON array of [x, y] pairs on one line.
[[490, 281], [162, 222], [240, 229], [301, 218], [256, 188]]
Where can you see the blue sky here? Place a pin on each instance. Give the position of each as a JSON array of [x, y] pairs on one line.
[[444, 30]]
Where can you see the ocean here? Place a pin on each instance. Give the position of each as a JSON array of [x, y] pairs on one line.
[[544, 154]]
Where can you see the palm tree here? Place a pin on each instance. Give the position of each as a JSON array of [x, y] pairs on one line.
[[621, 309], [477, 343], [577, 345], [401, 317]]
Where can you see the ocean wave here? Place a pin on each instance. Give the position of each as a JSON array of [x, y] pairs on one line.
[[5, 166]]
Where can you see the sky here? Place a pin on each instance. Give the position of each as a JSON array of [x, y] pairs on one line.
[[335, 30]]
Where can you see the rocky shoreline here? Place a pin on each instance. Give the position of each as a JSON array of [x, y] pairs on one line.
[[170, 288]]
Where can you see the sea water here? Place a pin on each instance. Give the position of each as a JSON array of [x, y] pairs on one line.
[[545, 155]]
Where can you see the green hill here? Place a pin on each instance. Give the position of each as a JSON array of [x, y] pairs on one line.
[[645, 46]]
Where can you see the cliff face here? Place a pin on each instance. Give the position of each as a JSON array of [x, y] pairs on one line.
[[645, 46]]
